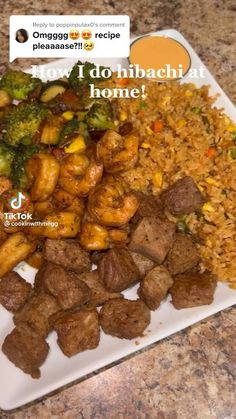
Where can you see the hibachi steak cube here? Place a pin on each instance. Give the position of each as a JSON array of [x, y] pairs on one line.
[[124, 319], [64, 285], [183, 255], [14, 291], [77, 330], [154, 287], [67, 253], [36, 313], [117, 270], [153, 238], [26, 349], [183, 197], [193, 289]]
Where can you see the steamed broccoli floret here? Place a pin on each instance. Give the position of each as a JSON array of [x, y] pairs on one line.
[[23, 122], [80, 82], [6, 159], [18, 175], [18, 84], [99, 117]]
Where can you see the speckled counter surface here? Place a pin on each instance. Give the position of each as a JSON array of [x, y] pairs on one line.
[[192, 374]]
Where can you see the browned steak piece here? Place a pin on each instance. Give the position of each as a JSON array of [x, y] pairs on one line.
[[154, 287], [183, 255], [26, 350], [193, 289], [153, 238], [36, 313], [64, 285], [143, 263], [117, 270], [125, 319], [149, 206], [67, 253], [183, 197], [77, 330], [14, 291], [99, 294]]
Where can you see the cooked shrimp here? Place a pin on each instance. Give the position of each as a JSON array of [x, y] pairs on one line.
[[3, 235], [36, 229], [118, 153], [61, 225], [117, 236], [69, 202], [41, 209], [5, 184], [15, 249], [79, 174], [110, 205], [93, 236], [43, 172]]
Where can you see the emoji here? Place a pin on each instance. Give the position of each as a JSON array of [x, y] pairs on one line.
[[88, 45], [86, 34], [74, 34]]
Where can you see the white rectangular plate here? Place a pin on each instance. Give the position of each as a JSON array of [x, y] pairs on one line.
[[16, 388]]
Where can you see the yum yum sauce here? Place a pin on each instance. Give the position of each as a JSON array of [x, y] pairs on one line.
[[158, 52]]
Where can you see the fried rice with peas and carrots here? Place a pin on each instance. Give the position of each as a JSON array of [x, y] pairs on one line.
[[182, 133]]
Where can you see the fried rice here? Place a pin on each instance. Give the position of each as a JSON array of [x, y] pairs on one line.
[[198, 140]]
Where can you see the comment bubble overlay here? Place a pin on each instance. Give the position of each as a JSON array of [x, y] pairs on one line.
[[52, 36]]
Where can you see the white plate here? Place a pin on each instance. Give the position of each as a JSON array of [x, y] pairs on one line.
[[17, 388]]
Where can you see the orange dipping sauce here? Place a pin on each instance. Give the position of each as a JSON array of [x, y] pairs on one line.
[[159, 52]]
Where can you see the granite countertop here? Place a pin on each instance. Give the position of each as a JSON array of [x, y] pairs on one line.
[[192, 374]]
